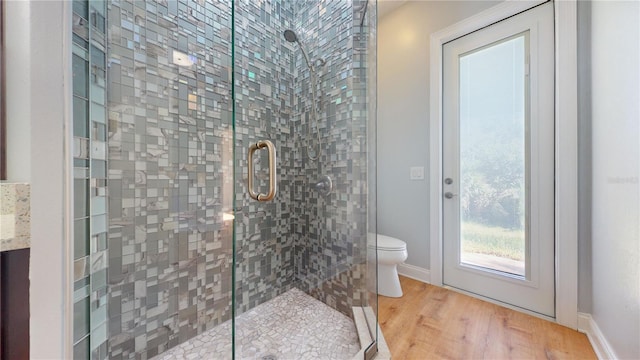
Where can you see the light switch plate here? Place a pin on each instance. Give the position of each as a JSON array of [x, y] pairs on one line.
[[416, 173]]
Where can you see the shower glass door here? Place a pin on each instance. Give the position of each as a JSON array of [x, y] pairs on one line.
[[301, 73], [170, 174]]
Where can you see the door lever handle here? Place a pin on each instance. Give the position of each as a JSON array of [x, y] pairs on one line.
[[449, 195]]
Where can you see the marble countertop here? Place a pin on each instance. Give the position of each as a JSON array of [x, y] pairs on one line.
[[15, 216]]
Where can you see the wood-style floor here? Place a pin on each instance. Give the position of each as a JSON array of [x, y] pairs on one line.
[[430, 322]]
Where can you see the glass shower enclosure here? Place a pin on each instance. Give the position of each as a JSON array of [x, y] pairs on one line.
[[224, 179]]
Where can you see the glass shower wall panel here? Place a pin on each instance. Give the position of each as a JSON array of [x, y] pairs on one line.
[[332, 231], [89, 191], [170, 182], [366, 78], [302, 239], [264, 100]]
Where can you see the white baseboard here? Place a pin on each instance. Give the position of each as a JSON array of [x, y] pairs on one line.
[[415, 272], [600, 345]]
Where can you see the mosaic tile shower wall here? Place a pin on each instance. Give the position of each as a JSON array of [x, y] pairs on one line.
[[170, 173], [331, 239]]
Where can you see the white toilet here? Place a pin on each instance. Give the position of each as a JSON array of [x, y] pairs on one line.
[[391, 252]]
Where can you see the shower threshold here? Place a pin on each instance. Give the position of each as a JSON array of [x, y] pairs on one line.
[[293, 325]]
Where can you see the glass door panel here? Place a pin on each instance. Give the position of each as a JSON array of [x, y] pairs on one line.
[[493, 156], [153, 160], [301, 265]]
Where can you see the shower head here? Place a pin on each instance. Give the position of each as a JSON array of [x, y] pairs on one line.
[[290, 35]]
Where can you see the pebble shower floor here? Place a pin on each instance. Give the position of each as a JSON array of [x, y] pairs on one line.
[[292, 326]]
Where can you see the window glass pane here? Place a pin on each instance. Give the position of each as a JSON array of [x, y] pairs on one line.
[[492, 156]]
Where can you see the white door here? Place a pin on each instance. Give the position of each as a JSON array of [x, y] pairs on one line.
[[498, 161]]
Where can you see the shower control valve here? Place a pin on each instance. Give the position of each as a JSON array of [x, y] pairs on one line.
[[323, 186]]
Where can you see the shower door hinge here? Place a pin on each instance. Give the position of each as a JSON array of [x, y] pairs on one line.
[[371, 351]]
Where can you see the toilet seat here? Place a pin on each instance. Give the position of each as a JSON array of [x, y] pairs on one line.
[[387, 243]]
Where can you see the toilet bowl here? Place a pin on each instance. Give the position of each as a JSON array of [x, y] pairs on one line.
[[391, 252]]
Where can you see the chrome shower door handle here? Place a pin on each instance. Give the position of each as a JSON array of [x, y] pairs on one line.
[[272, 170]]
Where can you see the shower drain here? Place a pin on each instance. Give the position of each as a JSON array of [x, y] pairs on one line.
[[269, 357]]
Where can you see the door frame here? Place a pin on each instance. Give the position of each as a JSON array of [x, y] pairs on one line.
[[566, 145]]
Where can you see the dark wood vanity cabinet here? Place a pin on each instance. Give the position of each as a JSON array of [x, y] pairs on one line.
[[14, 304]]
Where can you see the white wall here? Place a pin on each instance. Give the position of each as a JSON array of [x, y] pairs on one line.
[[36, 107], [18, 87], [615, 80], [403, 114]]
